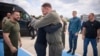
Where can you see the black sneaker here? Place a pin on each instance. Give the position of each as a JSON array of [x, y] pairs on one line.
[[69, 51]]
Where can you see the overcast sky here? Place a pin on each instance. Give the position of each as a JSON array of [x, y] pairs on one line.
[[63, 7]]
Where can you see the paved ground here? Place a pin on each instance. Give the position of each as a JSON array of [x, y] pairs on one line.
[[28, 44]]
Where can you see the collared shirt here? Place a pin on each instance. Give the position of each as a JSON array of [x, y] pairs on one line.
[[74, 25]]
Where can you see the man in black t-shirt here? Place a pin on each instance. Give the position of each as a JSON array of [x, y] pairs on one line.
[[91, 33]]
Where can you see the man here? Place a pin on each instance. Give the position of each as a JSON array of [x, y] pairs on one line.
[[11, 35], [64, 30], [73, 29], [82, 21], [31, 29], [91, 33], [54, 39], [6, 18], [41, 42]]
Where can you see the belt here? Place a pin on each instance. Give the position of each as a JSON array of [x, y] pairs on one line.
[[55, 43]]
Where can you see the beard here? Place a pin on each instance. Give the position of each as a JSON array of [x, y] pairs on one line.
[[16, 19]]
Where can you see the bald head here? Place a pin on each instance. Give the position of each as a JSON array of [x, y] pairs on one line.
[[91, 16]]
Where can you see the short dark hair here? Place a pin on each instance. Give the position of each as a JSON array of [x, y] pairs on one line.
[[12, 12], [47, 5], [92, 14]]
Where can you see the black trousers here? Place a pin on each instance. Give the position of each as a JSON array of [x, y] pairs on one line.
[[34, 32], [40, 49], [7, 52]]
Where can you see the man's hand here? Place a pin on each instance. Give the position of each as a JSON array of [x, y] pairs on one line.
[[32, 22], [13, 49], [83, 37], [20, 44], [98, 40], [19, 39], [65, 32]]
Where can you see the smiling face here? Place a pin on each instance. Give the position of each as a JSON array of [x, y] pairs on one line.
[[16, 15], [46, 8], [44, 11]]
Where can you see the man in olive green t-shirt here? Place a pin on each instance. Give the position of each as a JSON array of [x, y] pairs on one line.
[[11, 35]]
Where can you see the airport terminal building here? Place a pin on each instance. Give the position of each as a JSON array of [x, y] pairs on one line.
[[85, 17]]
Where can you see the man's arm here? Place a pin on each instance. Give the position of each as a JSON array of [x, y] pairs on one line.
[[6, 32], [7, 40], [79, 25], [98, 35], [65, 26], [19, 39], [52, 28], [83, 32], [98, 32], [48, 19], [69, 26]]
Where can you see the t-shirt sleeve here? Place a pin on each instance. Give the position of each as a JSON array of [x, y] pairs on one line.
[[6, 28]]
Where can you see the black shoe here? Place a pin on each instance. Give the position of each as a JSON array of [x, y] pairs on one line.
[[73, 53], [32, 38], [69, 51]]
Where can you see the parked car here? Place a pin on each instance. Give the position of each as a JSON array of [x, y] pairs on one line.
[[25, 18]]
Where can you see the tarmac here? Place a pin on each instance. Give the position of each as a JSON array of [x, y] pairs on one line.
[[28, 45]]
